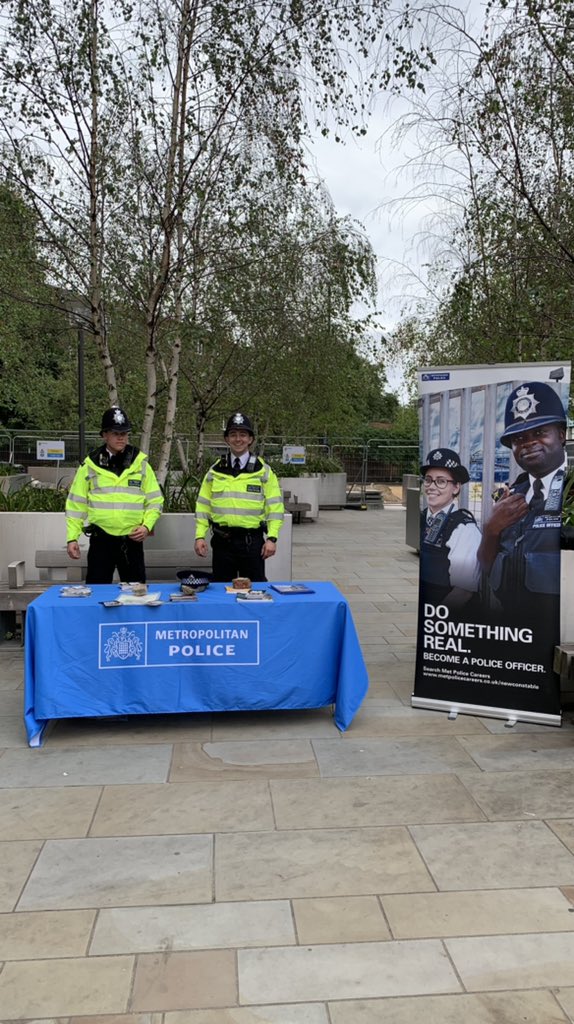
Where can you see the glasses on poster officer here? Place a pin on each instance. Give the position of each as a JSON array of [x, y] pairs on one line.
[[437, 481]]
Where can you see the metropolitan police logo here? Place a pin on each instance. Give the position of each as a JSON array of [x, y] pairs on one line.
[[524, 405], [238, 418], [123, 644], [119, 416]]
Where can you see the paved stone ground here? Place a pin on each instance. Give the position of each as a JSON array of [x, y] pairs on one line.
[[263, 869]]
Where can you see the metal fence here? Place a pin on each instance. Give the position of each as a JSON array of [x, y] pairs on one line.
[[367, 463]]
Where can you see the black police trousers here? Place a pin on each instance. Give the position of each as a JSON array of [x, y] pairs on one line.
[[107, 553], [237, 552]]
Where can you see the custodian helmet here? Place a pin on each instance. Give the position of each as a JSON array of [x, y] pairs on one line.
[[529, 406], [115, 419], [239, 422]]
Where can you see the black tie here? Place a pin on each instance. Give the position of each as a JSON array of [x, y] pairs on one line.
[[237, 465], [537, 499]]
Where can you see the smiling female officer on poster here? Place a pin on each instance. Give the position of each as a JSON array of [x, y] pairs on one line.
[[450, 538]]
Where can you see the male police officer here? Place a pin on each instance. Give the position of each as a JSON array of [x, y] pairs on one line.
[[116, 488], [521, 540], [449, 535], [241, 500]]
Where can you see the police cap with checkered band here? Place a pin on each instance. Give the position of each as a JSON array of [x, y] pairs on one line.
[[446, 458], [239, 422], [529, 406]]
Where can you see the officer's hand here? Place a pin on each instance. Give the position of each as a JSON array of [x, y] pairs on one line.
[[73, 549], [506, 512], [269, 548], [140, 533], [200, 548]]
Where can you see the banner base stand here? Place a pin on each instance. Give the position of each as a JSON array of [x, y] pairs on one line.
[[512, 716]]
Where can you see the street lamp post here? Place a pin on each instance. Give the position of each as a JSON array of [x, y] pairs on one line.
[[81, 396]]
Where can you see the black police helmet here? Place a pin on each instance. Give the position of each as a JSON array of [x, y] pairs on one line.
[[446, 458], [239, 422], [115, 419], [529, 406]]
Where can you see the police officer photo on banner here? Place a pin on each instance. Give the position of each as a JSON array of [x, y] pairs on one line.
[[493, 464]]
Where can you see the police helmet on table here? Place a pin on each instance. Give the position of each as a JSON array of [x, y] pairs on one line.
[[446, 458], [529, 406], [115, 419], [239, 422]]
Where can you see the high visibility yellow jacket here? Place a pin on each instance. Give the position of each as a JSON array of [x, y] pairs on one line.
[[115, 503], [250, 500]]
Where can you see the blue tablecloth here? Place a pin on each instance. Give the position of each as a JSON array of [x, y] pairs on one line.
[[214, 654]]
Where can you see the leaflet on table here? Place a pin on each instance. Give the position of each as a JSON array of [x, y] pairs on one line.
[[292, 588], [78, 590]]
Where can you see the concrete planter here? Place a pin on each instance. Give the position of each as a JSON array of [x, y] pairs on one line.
[[10, 484], [23, 533], [332, 490], [567, 597], [303, 488]]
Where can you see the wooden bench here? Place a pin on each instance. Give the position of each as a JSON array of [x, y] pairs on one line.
[[168, 559]]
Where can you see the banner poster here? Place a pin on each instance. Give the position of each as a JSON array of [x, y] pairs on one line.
[[493, 461]]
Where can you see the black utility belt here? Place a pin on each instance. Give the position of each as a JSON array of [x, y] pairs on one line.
[[236, 531]]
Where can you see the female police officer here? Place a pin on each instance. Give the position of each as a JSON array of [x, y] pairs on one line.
[[240, 499]]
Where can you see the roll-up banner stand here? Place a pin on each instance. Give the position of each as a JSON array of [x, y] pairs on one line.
[[493, 461]]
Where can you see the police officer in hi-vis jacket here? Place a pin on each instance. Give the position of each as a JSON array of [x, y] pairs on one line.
[[116, 489], [241, 501], [520, 546]]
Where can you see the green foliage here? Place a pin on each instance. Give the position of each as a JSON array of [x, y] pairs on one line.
[[568, 500], [34, 499], [180, 493], [9, 469]]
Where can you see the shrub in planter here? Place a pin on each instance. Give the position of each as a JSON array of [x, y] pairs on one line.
[[567, 530], [34, 499]]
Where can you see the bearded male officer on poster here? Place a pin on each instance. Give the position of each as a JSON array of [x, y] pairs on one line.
[[494, 653]]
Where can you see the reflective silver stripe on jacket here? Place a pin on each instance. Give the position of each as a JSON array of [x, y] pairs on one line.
[[274, 515], [237, 512], [75, 515], [126, 506], [80, 499]]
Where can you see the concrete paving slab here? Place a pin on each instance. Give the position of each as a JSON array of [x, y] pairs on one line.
[[489, 912], [209, 926], [185, 807], [509, 1008], [175, 981], [43, 935], [47, 813], [296, 1014], [340, 919], [552, 749], [404, 756], [76, 873], [44, 988], [330, 862], [85, 766], [242, 760], [495, 855], [349, 971], [523, 795], [513, 961], [365, 802]]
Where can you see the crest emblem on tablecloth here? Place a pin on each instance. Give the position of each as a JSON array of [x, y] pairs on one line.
[[123, 644]]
